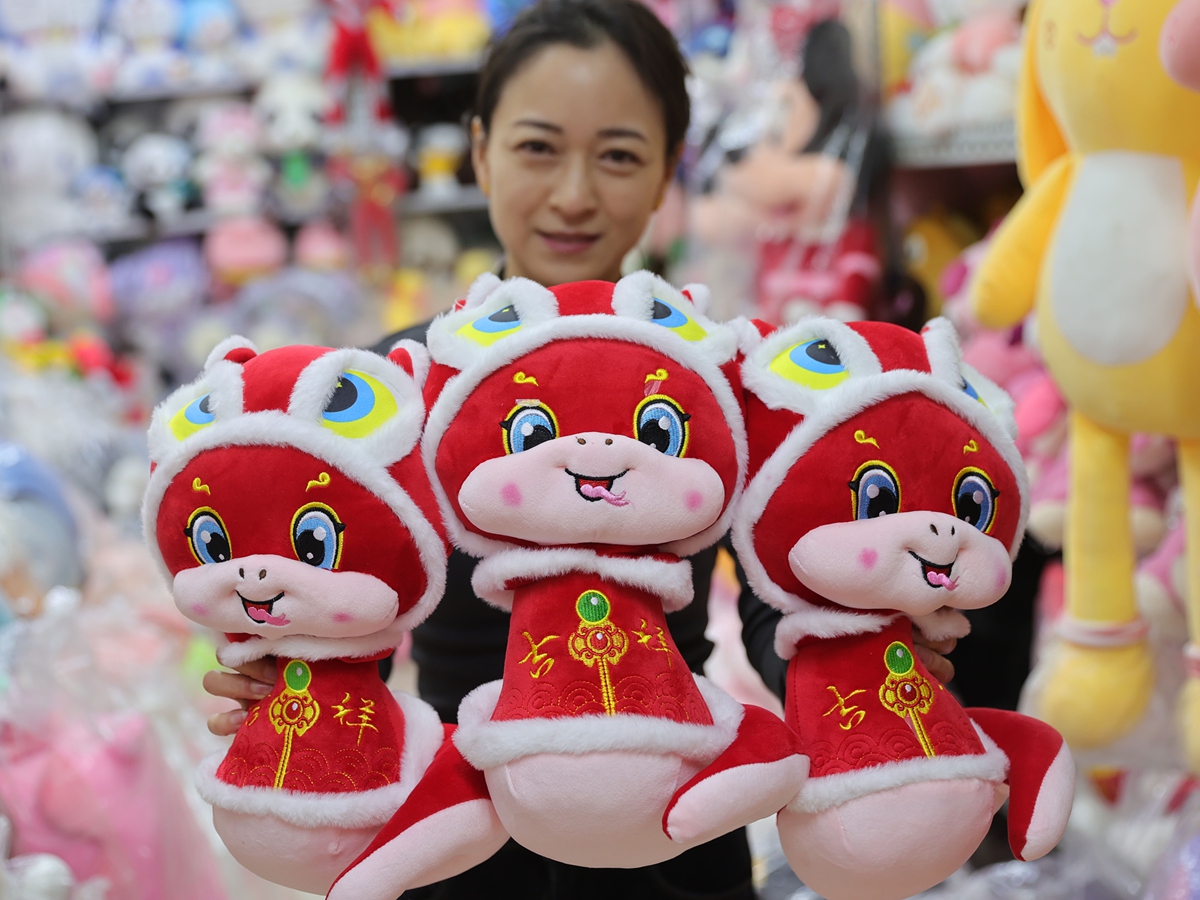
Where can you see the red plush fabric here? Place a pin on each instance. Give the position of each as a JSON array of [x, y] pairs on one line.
[[1032, 747], [924, 445], [350, 734], [268, 379], [257, 491], [842, 701], [897, 348], [559, 664], [564, 370]]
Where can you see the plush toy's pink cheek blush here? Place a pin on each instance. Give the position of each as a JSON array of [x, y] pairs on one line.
[[343, 617], [199, 609], [1001, 580], [868, 558], [511, 494], [693, 500]]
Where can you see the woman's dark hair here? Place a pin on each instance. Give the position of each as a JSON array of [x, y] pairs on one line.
[[633, 28]]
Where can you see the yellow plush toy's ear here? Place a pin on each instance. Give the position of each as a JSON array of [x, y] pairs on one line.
[[1039, 140]]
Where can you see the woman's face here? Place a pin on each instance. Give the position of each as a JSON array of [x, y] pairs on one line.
[[574, 164]]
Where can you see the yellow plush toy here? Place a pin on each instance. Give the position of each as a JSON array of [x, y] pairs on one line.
[[1110, 155]]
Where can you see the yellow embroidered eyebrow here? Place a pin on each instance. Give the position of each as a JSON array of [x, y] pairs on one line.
[[971, 446], [658, 375], [861, 437], [522, 378], [321, 480], [200, 487]]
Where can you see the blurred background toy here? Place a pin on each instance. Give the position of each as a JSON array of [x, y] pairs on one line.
[[150, 30]]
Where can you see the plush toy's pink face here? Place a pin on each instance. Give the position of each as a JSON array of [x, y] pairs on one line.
[[904, 507], [593, 441], [271, 541]]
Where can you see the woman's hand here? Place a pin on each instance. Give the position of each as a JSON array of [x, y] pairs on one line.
[[249, 684], [932, 654]]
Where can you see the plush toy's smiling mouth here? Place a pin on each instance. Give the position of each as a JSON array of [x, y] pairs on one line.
[[599, 487], [936, 576], [260, 611]]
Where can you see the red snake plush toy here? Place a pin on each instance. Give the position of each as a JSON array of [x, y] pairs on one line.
[[885, 488], [585, 438], [290, 510]]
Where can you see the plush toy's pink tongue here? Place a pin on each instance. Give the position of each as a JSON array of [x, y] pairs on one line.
[[937, 579], [600, 492], [260, 612]]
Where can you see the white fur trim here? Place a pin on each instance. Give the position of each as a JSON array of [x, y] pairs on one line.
[[849, 399], [943, 624], [700, 295], [423, 734], [823, 622], [779, 393], [487, 744], [393, 440], [602, 327], [419, 354], [534, 305], [274, 428], [827, 791], [671, 581], [634, 296], [942, 349], [222, 381], [234, 342]]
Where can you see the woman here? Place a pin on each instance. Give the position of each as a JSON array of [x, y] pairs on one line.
[[580, 119]]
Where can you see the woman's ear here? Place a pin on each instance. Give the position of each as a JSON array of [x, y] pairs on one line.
[[483, 177]]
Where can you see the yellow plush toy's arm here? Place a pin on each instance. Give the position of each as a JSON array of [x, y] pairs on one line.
[[1005, 286]]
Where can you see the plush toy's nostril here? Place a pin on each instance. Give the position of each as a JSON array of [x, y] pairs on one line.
[[581, 440], [933, 528], [951, 531], [608, 440], [262, 573], [241, 573]]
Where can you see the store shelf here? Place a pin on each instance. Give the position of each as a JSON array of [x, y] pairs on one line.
[[179, 91], [435, 68], [979, 145], [468, 199]]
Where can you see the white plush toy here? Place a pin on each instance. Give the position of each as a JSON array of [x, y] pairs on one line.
[[291, 105], [150, 29], [156, 168], [283, 35], [231, 173], [966, 75], [42, 152], [53, 50]]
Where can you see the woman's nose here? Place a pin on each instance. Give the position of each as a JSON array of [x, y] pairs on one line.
[[574, 195]]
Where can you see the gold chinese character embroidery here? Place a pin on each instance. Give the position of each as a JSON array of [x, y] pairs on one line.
[[852, 714], [644, 638], [342, 712], [539, 662]]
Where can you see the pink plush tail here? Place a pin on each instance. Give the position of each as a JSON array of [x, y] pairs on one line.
[[756, 776], [446, 826], [1041, 779]]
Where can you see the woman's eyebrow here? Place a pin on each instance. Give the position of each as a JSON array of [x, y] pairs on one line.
[[623, 133], [540, 123]]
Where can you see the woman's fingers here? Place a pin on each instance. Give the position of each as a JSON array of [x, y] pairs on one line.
[[235, 686], [226, 723], [263, 670], [939, 667]]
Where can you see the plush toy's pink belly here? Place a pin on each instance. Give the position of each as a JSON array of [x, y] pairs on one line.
[[307, 859], [892, 844], [598, 810]]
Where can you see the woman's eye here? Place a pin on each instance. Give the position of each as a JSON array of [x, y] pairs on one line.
[[317, 537], [975, 499], [661, 424], [538, 148], [876, 492], [528, 426], [207, 535], [622, 157]]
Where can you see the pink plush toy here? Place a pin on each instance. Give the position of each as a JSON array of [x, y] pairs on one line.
[[583, 439], [885, 493], [1180, 49]]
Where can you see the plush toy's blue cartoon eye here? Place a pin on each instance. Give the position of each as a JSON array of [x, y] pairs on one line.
[[317, 536], [875, 490], [359, 405], [208, 538], [193, 417], [970, 391], [659, 422], [812, 364], [677, 320], [528, 426], [975, 499], [486, 330]]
